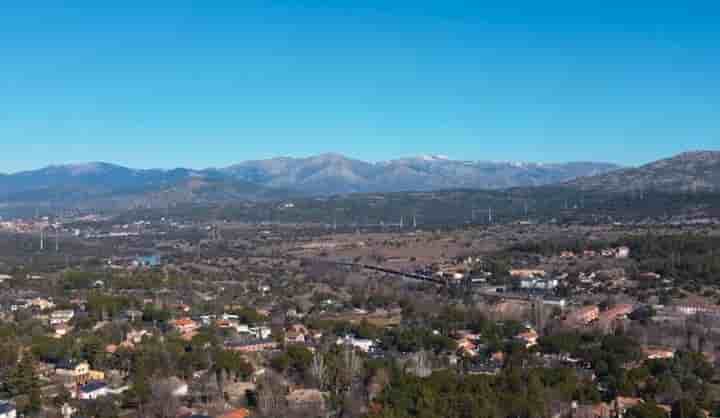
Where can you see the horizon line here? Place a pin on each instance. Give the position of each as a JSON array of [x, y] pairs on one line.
[[429, 157]]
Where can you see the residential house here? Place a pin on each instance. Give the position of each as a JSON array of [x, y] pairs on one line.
[[7, 410], [67, 410], [498, 357], [658, 353], [362, 344], [621, 405], [261, 332], [484, 368], [299, 328], [533, 283], [467, 347], [20, 304], [584, 315], [598, 410], [622, 252], [96, 375], [61, 317], [306, 399], [225, 323], [184, 325], [42, 304], [607, 318], [252, 346], [132, 315], [236, 413], [44, 369], [77, 373], [297, 334], [528, 338], [451, 273], [93, 390], [136, 336], [527, 273], [292, 337], [607, 252], [587, 278], [184, 308], [697, 308], [61, 330]]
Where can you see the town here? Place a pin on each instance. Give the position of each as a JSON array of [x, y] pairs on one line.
[[178, 318], [359, 209]]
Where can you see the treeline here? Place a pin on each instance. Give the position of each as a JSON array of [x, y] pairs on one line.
[[686, 257], [516, 392], [689, 258], [686, 383], [456, 207]]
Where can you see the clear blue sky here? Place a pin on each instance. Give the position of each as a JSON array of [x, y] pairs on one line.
[[177, 84]]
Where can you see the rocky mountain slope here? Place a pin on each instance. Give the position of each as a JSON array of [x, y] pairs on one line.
[[697, 171], [336, 174], [325, 174], [103, 184]]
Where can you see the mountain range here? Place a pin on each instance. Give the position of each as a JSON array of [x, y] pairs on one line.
[[337, 174], [325, 174], [696, 171], [102, 185]]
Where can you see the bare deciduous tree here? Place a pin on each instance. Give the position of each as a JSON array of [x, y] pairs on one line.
[[352, 364], [163, 403], [319, 370], [272, 396]]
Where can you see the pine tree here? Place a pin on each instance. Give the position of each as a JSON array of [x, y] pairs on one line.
[[23, 381]]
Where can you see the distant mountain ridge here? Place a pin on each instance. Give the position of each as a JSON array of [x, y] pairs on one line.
[[336, 174], [100, 185], [103, 184], [695, 171], [324, 174]]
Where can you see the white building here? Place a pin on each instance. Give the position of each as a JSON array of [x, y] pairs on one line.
[[622, 252], [7, 410], [359, 343], [61, 317], [136, 337], [261, 333], [553, 301], [93, 390], [540, 284]]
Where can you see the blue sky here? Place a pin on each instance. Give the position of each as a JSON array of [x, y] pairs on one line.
[[175, 84]]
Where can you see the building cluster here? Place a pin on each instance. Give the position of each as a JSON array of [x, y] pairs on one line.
[[614, 252]]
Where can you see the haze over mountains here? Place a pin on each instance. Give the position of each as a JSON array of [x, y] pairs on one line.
[[319, 175], [336, 174], [108, 185]]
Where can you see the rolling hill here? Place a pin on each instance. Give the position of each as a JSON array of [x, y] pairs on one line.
[[696, 171], [104, 185]]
